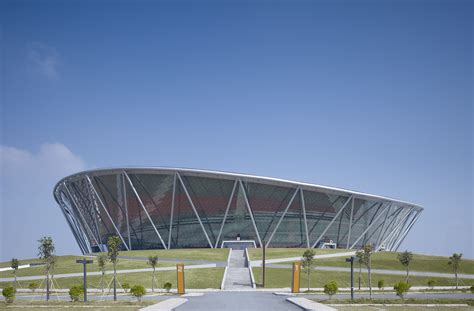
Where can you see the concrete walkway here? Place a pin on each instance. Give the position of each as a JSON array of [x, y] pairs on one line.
[[238, 276]]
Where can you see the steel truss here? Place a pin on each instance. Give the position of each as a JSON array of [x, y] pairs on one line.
[[387, 227]]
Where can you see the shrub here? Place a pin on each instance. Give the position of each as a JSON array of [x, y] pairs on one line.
[[431, 283], [76, 293], [330, 288], [401, 289], [167, 286], [138, 291], [381, 284], [126, 287], [9, 294], [472, 289], [33, 286]]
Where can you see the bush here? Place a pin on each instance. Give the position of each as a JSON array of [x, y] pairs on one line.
[[126, 287], [9, 294], [381, 284], [472, 289], [33, 286], [167, 286], [76, 293], [138, 291], [330, 288], [431, 283], [401, 289]]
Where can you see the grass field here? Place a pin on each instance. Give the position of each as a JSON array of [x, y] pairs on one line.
[[281, 277], [382, 260], [194, 278], [67, 264], [90, 305], [398, 301]]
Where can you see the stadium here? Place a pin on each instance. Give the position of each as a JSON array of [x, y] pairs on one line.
[[166, 208]]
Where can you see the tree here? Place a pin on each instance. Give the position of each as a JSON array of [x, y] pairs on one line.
[[167, 287], [364, 256], [76, 293], [14, 264], [308, 263], [405, 259], [472, 289], [138, 291], [360, 260], [330, 289], [401, 289], [381, 284], [9, 294], [102, 262], [455, 261], [153, 262], [46, 253], [33, 286], [113, 245]]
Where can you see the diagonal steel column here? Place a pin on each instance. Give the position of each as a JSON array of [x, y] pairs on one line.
[[125, 203], [106, 211], [172, 211], [395, 227], [74, 232], [73, 200], [332, 221], [350, 224], [143, 206], [226, 212], [383, 224], [367, 229], [75, 219], [282, 216], [414, 220], [392, 223], [250, 212], [401, 231], [96, 216], [194, 209], [303, 206]]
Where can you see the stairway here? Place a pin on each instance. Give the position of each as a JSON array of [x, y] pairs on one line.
[[238, 276]]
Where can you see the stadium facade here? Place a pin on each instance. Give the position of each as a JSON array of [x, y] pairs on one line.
[[165, 208]]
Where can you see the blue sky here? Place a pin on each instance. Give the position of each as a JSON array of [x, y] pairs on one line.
[[374, 96]]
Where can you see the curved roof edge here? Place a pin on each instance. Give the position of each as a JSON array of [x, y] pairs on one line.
[[231, 174]]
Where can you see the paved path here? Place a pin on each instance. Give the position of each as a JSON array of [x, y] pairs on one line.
[[238, 276], [238, 301], [383, 271]]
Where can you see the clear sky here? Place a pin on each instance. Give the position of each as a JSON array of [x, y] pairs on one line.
[[375, 96]]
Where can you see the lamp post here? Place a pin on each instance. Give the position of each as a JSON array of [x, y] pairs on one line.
[[84, 262], [351, 260]]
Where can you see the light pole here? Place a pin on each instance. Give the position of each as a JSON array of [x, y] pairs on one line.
[[84, 263], [351, 260]]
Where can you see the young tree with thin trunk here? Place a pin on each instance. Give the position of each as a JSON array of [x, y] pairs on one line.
[[360, 260], [308, 264], [365, 256], [102, 262], [113, 246], [405, 259], [153, 262], [46, 253], [455, 261], [14, 264]]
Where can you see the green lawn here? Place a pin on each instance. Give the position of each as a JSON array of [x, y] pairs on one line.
[[194, 278], [272, 253], [398, 301], [67, 264], [212, 254], [74, 306], [381, 260], [281, 277]]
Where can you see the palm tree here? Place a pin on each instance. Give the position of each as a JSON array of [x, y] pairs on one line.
[[455, 261], [153, 262], [102, 262]]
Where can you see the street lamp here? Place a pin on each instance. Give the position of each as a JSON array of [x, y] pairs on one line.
[[84, 262], [351, 260]]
